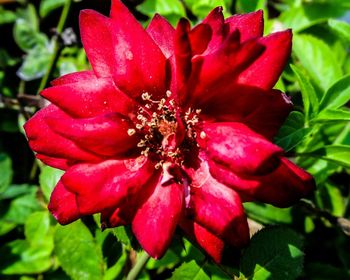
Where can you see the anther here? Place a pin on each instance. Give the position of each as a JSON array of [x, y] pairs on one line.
[[131, 131]]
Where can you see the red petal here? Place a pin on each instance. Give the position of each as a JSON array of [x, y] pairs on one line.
[[105, 185], [212, 74], [250, 25], [90, 98], [239, 148], [199, 37], [265, 71], [48, 143], [213, 245], [162, 33], [63, 205], [105, 135], [183, 52], [96, 36], [58, 163], [112, 218], [140, 64], [215, 19], [262, 111], [283, 187], [219, 209], [70, 78], [155, 222]]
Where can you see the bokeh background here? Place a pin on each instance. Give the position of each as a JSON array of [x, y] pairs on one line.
[[39, 41]]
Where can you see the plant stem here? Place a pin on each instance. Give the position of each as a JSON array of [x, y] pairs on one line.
[[55, 45], [140, 264]]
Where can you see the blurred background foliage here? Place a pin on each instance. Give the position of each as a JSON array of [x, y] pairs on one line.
[[39, 40]]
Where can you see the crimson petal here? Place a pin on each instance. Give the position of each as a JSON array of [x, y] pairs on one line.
[[283, 187], [75, 77], [95, 96], [239, 148], [265, 71], [105, 185], [254, 20], [139, 67], [58, 163], [156, 220], [219, 209], [105, 135], [213, 245], [162, 33], [63, 205], [40, 137]]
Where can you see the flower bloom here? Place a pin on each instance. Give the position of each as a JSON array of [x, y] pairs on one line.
[[171, 128]]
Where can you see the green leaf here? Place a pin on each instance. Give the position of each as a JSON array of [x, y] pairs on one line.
[[26, 37], [123, 235], [292, 132], [308, 93], [18, 257], [172, 10], [333, 115], [201, 8], [306, 15], [337, 95], [6, 16], [244, 6], [342, 28], [268, 214], [6, 172], [113, 272], [35, 63], [329, 197], [318, 59], [273, 253], [77, 252], [48, 179], [15, 191], [189, 270], [339, 154], [20, 208], [47, 6], [36, 229]]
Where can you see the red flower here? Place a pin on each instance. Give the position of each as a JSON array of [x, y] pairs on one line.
[[172, 127]]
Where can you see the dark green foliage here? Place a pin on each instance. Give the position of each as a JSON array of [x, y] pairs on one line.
[[309, 240]]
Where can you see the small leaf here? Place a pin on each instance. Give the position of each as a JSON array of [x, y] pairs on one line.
[[77, 252], [342, 28], [36, 229], [337, 95], [18, 257], [7, 16], [339, 154], [268, 214], [292, 132], [47, 6], [172, 10], [300, 17], [332, 115], [21, 207], [318, 59], [48, 179], [308, 93], [35, 63], [274, 253], [123, 235], [189, 270], [244, 6], [6, 172]]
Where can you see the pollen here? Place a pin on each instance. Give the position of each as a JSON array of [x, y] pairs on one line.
[[168, 133]]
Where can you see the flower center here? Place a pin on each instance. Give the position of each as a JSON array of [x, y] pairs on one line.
[[168, 133]]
